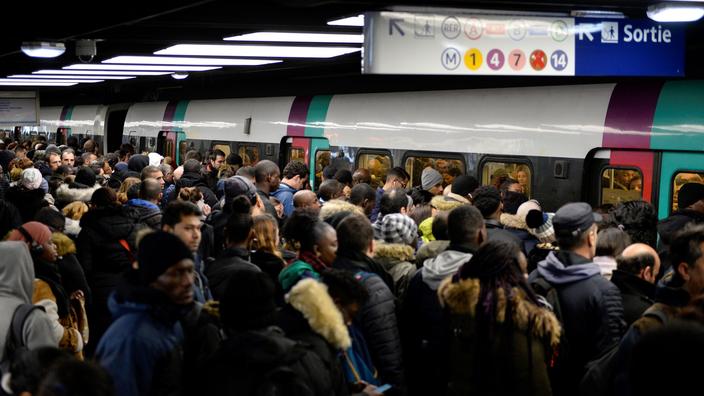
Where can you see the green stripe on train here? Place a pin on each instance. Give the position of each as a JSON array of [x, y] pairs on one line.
[[315, 119]]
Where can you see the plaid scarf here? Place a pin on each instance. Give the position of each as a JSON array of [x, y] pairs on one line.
[[313, 260]]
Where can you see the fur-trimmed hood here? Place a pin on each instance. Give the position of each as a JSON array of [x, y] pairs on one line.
[[462, 297], [396, 251], [513, 221], [310, 297], [64, 244], [335, 206], [444, 203], [67, 194]]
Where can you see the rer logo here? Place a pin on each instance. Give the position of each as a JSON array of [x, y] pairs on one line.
[[451, 58], [609, 32]]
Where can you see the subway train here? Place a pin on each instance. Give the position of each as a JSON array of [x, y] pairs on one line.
[[603, 143]]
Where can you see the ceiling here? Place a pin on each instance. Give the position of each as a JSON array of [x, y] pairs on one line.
[[131, 27]]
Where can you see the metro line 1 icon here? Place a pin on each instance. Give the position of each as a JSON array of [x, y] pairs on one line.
[[473, 59], [538, 60]]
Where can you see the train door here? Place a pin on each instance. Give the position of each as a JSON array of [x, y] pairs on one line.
[[305, 149], [172, 144], [677, 169], [615, 176], [62, 135]]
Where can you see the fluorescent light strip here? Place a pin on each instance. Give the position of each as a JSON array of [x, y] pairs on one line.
[[300, 37], [256, 50], [168, 60], [48, 79], [70, 76], [103, 72], [350, 21], [138, 67], [37, 84]]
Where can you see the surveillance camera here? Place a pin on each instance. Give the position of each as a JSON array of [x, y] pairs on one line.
[[86, 50]]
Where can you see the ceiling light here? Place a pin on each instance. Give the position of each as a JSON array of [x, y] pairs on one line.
[[179, 76], [675, 12], [300, 37], [139, 67], [103, 72], [47, 79], [169, 60], [70, 76], [256, 50], [41, 49], [350, 21], [597, 14], [37, 84]]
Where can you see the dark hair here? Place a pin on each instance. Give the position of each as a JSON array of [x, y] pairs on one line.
[[149, 189], [300, 229], [329, 172], [392, 201], [103, 198], [125, 150], [234, 159], [685, 247], [111, 159], [194, 154], [133, 191], [215, 154], [638, 219], [360, 192], [420, 196], [28, 369], [635, 264], [191, 165], [506, 184], [296, 168], [343, 286], [246, 171], [263, 169], [420, 213], [611, 242], [73, 377], [51, 218], [176, 209], [570, 242], [439, 227], [148, 170], [463, 223], [344, 176], [63, 170], [354, 234], [329, 189], [512, 200], [487, 199], [240, 223], [72, 141], [398, 173]]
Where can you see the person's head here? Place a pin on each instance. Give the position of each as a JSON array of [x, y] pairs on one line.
[[54, 160], [355, 234], [194, 154], [267, 175], [305, 232], [103, 198], [166, 264], [361, 176], [265, 234], [393, 201], [329, 172], [431, 180], [74, 377], [512, 200], [168, 172], [347, 292], [37, 236], [344, 176], [396, 177], [238, 229], [68, 157], [465, 226], [51, 218], [687, 258], [306, 199], [238, 185], [488, 200], [216, 158], [30, 179], [150, 190], [90, 146], [249, 302], [296, 174], [439, 226], [364, 196], [234, 159], [183, 219], [641, 260], [28, 370], [124, 187], [399, 228], [522, 176], [611, 242], [153, 172], [330, 189], [190, 166], [638, 219], [85, 176], [511, 185], [247, 172], [691, 196], [421, 197], [575, 228], [125, 152], [464, 185]]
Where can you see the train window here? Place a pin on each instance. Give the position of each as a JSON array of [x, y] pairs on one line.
[[225, 148], [296, 154], [679, 180], [322, 159], [249, 154], [495, 173], [377, 164], [621, 185], [449, 168], [182, 150]]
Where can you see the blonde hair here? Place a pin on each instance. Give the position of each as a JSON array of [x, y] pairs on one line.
[[75, 210], [264, 235], [126, 184]]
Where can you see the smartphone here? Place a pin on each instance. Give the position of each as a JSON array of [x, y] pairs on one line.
[[382, 388]]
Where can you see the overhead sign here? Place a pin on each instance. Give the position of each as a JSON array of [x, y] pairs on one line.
[[407, 43], [19, 108]]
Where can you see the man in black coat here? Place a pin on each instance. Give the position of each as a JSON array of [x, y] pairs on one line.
[[635, 274]]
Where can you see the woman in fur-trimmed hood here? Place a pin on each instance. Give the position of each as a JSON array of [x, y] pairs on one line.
[[502, 339]]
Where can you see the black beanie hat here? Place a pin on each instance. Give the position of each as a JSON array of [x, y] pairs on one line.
[[464, 185], [689, 194], [85, 176], [157, 252], [249, 302], [137, 162]]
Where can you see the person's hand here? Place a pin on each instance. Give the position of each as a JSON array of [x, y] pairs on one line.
[[77, 295], [371, 391]]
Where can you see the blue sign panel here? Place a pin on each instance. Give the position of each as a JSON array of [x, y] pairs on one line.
[[622, 47]]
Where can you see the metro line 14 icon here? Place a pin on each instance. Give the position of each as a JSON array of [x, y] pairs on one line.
[[538, 60]]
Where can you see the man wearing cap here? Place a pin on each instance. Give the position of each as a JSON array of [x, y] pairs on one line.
[[431, 180], [141, 348], [591, 307]]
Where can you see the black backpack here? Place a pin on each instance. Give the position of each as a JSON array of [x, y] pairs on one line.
[[14, 341], [557, 362]]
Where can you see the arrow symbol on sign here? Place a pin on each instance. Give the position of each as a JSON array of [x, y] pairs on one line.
[[393, 23], [586, 29]]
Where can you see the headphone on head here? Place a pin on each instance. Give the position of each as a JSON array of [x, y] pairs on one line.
[[34, 247]]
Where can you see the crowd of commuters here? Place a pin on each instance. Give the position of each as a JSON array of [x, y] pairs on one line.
[[129, 274]]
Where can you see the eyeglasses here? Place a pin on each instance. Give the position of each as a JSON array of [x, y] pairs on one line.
[[401, 182]]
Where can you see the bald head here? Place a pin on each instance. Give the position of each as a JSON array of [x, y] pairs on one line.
[[641, 260], [305, 199]]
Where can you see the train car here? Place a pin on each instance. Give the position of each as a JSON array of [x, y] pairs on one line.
[[58, 123], [604, 143]]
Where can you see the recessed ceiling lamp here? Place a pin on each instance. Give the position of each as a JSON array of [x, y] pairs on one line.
[[179, 76], [104, 72], [273, 51], [31, 80], [350, 21], [300, 37], [43, 49], [675, 12], [171, 60], [70, 76], [597, 14], [139, 67]]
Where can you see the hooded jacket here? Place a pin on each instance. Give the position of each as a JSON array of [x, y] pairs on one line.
[[435, 270], [285, 195], [16, 288], [668, 227], [66, 193], [219, 271], [194, 179], [149, 213], [517, 226], [583, 294], [397, 260], [430, 250], [27, 202]]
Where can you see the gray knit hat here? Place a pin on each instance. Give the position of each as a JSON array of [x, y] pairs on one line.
[[430, 178]]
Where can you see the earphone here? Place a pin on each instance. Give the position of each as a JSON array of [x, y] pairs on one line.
[[34, 247]]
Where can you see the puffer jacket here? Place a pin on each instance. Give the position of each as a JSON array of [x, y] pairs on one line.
[[27, 202], [583, 293], [67, 193], [397, 260], [149, 213]]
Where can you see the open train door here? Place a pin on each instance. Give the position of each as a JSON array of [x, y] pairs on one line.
[[678, 169], [615, 176], [305, 149], [171, 144]]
